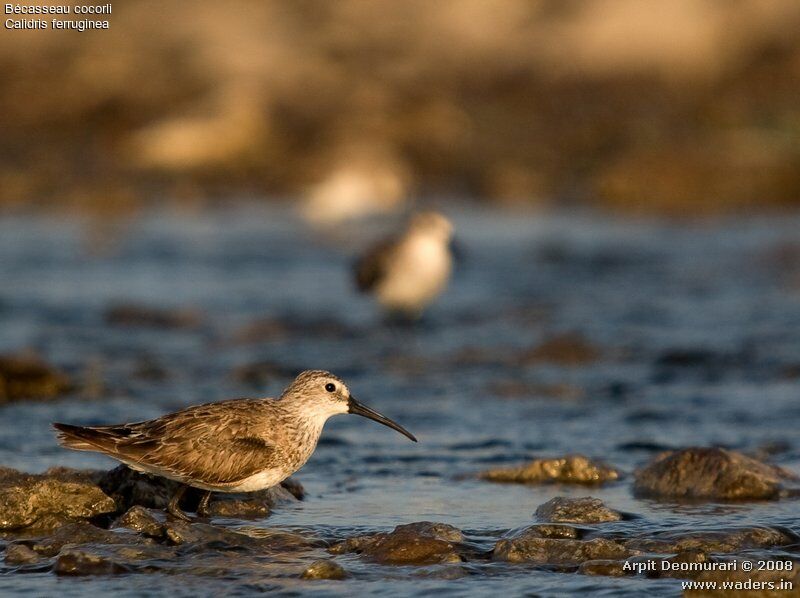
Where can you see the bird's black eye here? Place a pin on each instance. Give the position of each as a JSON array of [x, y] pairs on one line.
[[330, 387]]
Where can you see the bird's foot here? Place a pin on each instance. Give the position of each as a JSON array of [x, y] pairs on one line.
[[175, 511], [173, 507], [202, 507]]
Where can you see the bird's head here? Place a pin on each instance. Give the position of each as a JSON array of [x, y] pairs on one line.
[[321, 394]]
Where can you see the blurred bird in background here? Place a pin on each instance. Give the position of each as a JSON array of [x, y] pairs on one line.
[[407, 272]]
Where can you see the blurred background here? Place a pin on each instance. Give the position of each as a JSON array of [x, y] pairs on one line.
[[681, 107], [621, 175]]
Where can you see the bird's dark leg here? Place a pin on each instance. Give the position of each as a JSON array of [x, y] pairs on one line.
[[173, 508], [202, 507]]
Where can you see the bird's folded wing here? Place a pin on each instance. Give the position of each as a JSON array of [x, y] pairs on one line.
[[204, 447], [224, 463]]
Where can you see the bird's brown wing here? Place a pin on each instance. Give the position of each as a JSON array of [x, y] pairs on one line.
[[370, 269], [210, 443]]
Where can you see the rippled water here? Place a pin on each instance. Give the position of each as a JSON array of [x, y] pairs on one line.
[[727, 294]]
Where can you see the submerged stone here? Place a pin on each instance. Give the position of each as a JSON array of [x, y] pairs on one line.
[[324, 569], [570, 469], [20, 554], [141, 521], [576, 510], [75, 561], [422, 543], [219, 538], [710, 473], [605, 568], [528, 546], [76, 534], [710, 541]]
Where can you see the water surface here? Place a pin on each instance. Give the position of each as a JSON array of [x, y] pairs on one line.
[[644, 294]]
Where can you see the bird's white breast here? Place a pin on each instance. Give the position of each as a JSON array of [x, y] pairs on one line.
[[260, 481], [417, 274]]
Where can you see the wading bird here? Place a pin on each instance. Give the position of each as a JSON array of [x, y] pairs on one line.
[[240, 445]]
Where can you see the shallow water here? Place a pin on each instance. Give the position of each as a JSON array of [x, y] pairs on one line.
[[644, 293]]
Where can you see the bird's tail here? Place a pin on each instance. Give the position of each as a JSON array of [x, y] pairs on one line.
[[82, 438]]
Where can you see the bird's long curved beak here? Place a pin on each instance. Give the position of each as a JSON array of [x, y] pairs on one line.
[[361, 409]]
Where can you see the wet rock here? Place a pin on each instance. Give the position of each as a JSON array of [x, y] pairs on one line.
[[141, 521], [570, 469], [143, 316], [576, 510], [77, 561], [324, 569], [81, 533], [556, 531], [25, 377], [204, 536], [570, 349], [710, 473], [294, 488], [605, 568], [529, 546], [182, 532], [748, 584], [422, 543], [683, 565], [47, 500], [129, 488], [713, 541], [20, 554]]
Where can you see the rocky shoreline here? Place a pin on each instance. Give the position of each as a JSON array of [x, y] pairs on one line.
[[74, 522]]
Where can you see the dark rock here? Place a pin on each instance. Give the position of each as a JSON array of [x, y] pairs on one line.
[[141, 521], [82, 533], [20, 554], [710, 473], [570, 469], [47, 500], [422, 543], [239, 508], [28, 377], [569, 349], [294, 488], [576, 510], [75, 561], [713, 541], [606, 568], [529, 546], [683, 565], [257, 540], [134, 315], [324, 569], [129, 488], [556, 531]]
